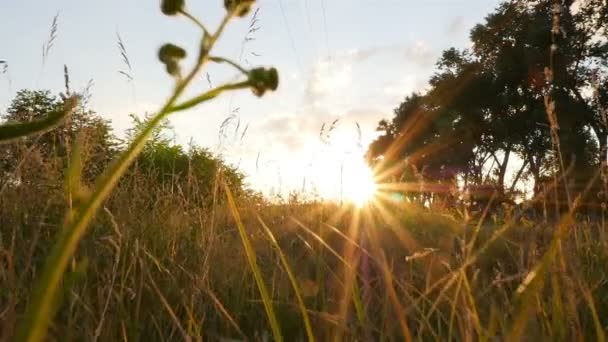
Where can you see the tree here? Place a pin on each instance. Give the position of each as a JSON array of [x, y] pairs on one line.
[[192, 171], [169, 166], [488, 104], [55, 145]]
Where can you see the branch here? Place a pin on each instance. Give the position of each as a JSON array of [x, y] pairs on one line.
[[519, 173], [496, 159]]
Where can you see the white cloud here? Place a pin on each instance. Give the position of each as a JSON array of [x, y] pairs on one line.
[[120, 117], [292, 154], [340, 75], [456, 25], [329, 76], [291, 133], [405, 86], [420, 54], [347, 86]]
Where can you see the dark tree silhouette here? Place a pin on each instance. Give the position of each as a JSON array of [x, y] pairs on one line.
[[486, 105]]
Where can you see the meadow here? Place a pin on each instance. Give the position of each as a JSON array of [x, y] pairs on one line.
[[179, 270], [144, 239], [156, 265]]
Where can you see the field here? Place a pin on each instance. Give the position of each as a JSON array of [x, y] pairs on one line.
[[476, 213], [156, 266]]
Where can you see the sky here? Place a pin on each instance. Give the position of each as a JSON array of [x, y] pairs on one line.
[[352, 61]]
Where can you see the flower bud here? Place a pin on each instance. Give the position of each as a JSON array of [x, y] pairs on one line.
[[261, 80], [170, 54], [245, 6], [171, 51], [171, 7]]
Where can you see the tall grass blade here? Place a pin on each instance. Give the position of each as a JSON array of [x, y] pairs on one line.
[[12, 131], [599, 331], [251, 259], [292, 279]]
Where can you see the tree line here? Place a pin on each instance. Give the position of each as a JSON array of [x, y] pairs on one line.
[[192, 171]]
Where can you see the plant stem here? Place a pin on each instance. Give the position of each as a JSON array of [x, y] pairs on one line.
[[195, 21], [207, 96], [226, 60]]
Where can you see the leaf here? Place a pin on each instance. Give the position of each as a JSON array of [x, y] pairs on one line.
[[11, 131]]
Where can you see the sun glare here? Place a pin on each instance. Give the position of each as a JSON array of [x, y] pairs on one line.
[[338, 170], [359, 184]]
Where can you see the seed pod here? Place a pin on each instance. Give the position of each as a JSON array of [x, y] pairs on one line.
[[173, 68], [170, 54], [245, 6], [261, 80], [171, 51], [171, 7]]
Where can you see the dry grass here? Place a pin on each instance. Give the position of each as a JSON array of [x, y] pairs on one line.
[[157, 266]]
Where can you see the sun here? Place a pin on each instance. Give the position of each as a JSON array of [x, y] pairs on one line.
[[338, 170], [359, 186]]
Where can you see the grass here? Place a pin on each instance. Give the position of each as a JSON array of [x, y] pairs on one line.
[[166, 274], [40, 309], [156, 265]]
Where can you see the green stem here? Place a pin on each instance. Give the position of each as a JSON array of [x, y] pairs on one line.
[[208, 96], [195, 21], [226, 60]]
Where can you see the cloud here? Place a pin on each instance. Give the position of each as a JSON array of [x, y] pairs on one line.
[[284, 132], [292, 156], [328, 77], [366, 118], [333, 76], [405, 86], [456, 25], [120, 117], [420, 54], [292, 133], [350, 86]]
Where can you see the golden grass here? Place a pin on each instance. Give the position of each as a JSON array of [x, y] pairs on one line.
[[158, 266]]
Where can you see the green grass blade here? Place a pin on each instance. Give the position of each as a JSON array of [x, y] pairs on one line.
[[294, 283], [39, 311], [11, 131], [251, 258], [599, 331], [358, 303]]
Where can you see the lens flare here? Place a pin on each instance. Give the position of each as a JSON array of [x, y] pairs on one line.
[[359, 184]]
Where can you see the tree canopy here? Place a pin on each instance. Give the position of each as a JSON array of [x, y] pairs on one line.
[[485, 113]]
